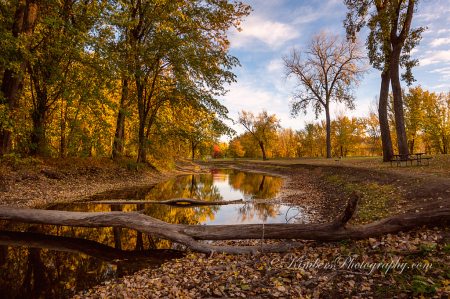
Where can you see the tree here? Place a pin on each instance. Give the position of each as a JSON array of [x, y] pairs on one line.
[[179, 55], [414, 115], [285, 144], [437, 122], [332, 66], [390, 42], [55, 50], [235, 149], [19, 31], [262, 128], [347, 134], [372, 127]]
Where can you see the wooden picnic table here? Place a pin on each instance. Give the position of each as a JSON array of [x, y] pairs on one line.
[[408, 158]]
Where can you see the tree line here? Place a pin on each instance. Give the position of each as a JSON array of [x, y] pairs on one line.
[[427, 127], [98, 77]]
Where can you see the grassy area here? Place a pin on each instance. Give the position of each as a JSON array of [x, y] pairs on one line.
[[439, 164], [377, 201]]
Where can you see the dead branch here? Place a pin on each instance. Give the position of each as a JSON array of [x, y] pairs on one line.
[[189, 202]]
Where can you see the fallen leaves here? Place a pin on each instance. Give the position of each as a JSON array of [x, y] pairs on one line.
[[294, 275]]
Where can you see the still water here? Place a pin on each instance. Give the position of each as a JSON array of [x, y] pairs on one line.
[[43, 261]]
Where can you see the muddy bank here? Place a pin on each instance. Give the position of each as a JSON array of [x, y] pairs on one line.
[[45, 185]]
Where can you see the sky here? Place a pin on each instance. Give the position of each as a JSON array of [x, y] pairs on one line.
[[273, 28]]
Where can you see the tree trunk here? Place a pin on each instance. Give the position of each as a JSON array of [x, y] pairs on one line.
[[261, 144], [143, 113], [328, 120], [120, 124], [38, 116], [402, 140], [187, 235], [24, 23], [62, 141], [117, 231], [386, 140], [261, 186], [411, 148]]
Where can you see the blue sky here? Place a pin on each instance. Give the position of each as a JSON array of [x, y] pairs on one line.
[[274, 27]]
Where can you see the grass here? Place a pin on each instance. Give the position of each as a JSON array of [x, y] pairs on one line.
[[377, 201]]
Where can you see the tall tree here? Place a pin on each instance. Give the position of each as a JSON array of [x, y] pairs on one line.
[[332, 66], [179, 53], [263, 128], [56, 48], [19, 31], [390, 42]]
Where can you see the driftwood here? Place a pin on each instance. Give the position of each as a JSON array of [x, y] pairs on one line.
[[188, 202], [189, 234]]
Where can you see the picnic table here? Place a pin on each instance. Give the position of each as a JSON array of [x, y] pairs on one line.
[[410, 158]]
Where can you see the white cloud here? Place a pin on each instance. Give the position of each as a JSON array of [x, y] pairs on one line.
[[445, 73], [428, 16], [445, 69], [257, 30], [431, 57], [443, 31], [439, 87], [275, 65], [440, 41]]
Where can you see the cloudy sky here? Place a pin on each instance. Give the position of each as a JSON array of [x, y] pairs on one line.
[[274, 27]]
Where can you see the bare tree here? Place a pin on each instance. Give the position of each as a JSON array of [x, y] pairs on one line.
[[329, 71], [263, 128]]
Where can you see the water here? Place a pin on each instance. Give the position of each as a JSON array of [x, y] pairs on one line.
[[44, 261]]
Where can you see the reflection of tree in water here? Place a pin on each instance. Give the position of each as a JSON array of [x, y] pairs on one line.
[[31, 273], [262, 210], [254, 185], [25, 272], [199, 187]]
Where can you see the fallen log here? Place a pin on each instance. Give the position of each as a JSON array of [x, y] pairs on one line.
[[189, 234], [189, 202]]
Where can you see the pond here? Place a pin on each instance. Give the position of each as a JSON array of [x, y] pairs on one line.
[[44, 261]]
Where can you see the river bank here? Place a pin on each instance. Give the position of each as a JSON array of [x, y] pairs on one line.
[[43, 184]]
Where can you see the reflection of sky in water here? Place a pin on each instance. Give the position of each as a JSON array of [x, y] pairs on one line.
[[228, 215], [227, 191]]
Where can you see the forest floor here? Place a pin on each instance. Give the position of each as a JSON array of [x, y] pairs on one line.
[[414, 264]]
